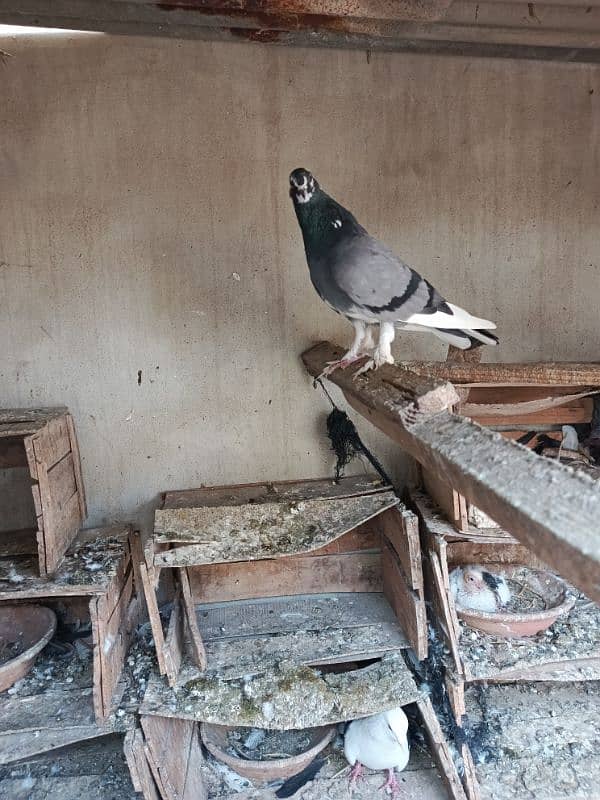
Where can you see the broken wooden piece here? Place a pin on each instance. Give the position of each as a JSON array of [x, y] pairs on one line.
[[173, 751], [440, 750], [45, 441], [548, 508]]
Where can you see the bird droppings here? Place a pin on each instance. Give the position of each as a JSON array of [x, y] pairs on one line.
[[254, 531], [536, 741], [288, 697]]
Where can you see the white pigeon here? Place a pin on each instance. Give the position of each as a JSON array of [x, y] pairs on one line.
[[570, 440], [476, 588], [378, 742]]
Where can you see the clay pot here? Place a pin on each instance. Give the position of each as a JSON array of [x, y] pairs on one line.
[[31, 628], [547, 585], [215, 740]]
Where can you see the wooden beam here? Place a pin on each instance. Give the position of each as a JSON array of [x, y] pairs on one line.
[[549, 373], [546, 506]]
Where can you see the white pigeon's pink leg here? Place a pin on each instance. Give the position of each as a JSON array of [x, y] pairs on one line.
[[391, 783], [356, 773], [383, 352], [362, 334]]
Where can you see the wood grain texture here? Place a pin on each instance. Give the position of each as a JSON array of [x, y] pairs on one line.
[[148, 585], [139, 769], [271, 491], [350, 572], [440, 750], [448, 499], [77, 467], [408, 606], [543, 504], [401, 529], [173, 648], [174, 747], [196, 643], [549, 373]]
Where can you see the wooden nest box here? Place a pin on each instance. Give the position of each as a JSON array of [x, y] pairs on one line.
[[41, 514]]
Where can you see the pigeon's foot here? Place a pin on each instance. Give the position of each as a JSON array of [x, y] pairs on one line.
[[356, 773], [341, 363], [375, 362], [391, 784]]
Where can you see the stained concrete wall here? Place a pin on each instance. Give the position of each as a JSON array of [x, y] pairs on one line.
[[146, 231]]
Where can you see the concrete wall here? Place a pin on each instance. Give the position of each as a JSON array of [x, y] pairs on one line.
[[141, 177]]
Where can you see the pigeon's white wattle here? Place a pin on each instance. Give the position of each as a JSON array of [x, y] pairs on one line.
[[378, 742]]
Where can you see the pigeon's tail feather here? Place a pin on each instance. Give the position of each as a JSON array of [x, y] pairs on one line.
[[451, 318], [467, 339]]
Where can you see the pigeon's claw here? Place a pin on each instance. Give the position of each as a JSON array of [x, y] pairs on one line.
[[379, 357], [356, 773], [341, 363], [391, 784]]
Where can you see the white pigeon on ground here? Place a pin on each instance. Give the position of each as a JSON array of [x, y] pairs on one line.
[[476, 588], [378, 742], [360, 278]]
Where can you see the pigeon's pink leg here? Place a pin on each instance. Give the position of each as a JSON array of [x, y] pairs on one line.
[[363, 342], [356, 773], [391, 783], [344, 362]]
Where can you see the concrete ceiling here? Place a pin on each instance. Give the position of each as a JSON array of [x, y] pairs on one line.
[[560, 30]]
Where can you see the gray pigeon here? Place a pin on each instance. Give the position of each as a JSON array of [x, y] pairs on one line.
[[362, 279]]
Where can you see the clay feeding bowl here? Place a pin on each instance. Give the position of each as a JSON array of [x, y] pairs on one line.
[[24, 632], [215, 738], [508, 624]]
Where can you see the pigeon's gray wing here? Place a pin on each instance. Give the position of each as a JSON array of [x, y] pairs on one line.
[[379, 285]]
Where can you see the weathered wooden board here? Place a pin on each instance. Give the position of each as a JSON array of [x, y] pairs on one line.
[[149, 589], [175, 750], [139, 769], [346, 572], [491, 553], [250, 532], [545, 505], [297, 697], [401, 529], [274, 491], [437, 525], [550, 373], [440, 750], [174, 641], [196, 644], [448, 499], [87, 569], [408, 605], [61, 715]]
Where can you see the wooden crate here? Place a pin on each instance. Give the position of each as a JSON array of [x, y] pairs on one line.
[[94, 584], [368, 546], [43, 442]]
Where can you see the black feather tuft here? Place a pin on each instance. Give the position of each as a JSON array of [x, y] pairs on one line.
[[492, 580], [294, 783]]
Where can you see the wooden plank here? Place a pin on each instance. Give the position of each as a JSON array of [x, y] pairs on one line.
[[12, 453], [291, 697], [268, 492], [436, 525], [401, 529], [259, 531], [114, 639], [197, 645], [175, 748], [61, 481], [173, 648], [470, 781], [365, 537], [448, 621], [52, 442], [511, 484], [273, 616], [496, 553], [440, 750], [139, 768], [447, 498], [349, 572], [407, 605], [154, 616], [77, 466], [456, 695], [550, 373]]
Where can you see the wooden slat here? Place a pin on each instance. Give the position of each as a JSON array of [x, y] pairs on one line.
[[173, 648], [550, 373], [141, 774], [448, 499], [12, 453], [114, 640], [52, 443], [448, 620], [175, 749], [491, 553], [77, 467], [440, 750], [273, 491], [543, 504], [347, 572], [401, 529], [154, 615], [407, 605], [197, 645], [61, 481]]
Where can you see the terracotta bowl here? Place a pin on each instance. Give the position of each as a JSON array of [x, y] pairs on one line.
[[28, 629], [527, 623], [215, 740]]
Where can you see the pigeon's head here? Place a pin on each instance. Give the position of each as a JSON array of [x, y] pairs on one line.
[[474, 580], [302, 186]]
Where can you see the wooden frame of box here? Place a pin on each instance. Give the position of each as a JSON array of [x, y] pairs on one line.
[[382, 553], [97, 572], [44, 441]]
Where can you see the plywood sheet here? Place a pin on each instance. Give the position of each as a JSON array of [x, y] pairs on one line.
[[260, 531]]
